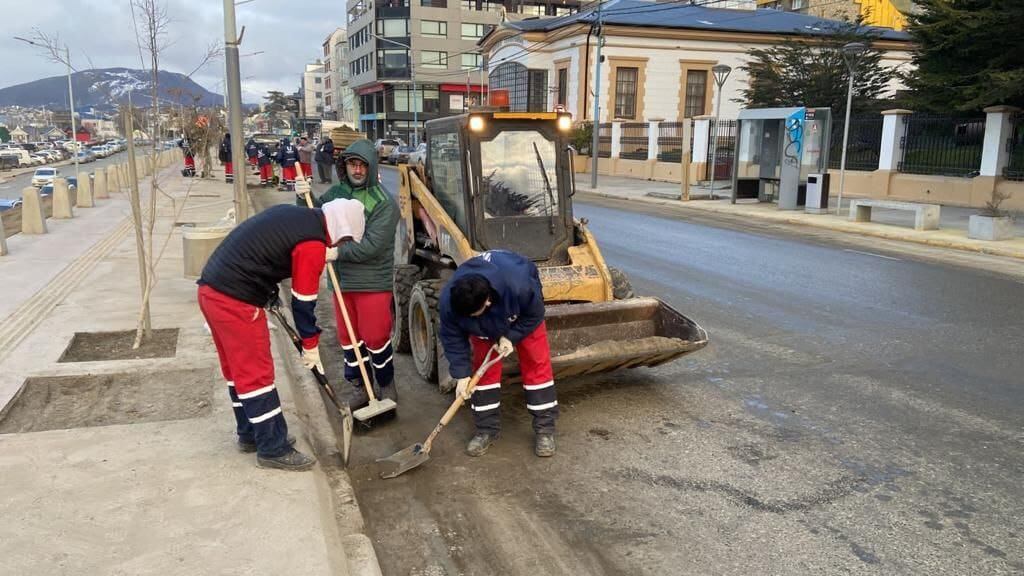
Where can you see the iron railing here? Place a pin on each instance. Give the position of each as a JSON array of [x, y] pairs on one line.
[[633, 140], [604, 140], [864, 145], [725, 135], [942, 145], [670, 142], [1014, 169]]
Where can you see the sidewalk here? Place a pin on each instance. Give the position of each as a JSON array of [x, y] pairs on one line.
[[891, 225], [129, 466]]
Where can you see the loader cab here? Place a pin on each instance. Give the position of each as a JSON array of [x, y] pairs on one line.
[[505, 179]]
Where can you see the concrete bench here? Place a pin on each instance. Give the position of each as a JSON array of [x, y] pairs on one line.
[[926, 216]]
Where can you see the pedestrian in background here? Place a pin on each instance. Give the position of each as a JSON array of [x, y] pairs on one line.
[[306, 158], [325, 159]]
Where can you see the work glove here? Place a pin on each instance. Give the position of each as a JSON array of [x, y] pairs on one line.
[[462, 388], [505, 347], [331, 254], [302, 187], [311, 359]]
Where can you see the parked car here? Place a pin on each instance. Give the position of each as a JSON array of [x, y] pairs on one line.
[[24, 158], [85, 156], [384, 147], [400, 154], [419, 155], [7, 203], [44, 176], [39, 158]]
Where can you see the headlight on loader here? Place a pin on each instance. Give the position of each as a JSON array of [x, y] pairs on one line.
[[564, 123], [476, 123]]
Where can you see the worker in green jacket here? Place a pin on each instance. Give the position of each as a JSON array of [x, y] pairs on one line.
[[366, 272]]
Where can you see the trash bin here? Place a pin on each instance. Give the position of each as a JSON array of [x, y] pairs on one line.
[[201, 239], [817, 193]]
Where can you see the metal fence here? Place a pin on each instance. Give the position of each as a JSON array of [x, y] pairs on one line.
[[604, 140], [633, 140], [670, 142], [1014, 169], [863, 147], [725, 135], [942, 145]]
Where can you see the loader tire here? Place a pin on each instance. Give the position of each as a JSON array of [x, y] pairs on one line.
[[622, 289], [424, 323], [406, 276]]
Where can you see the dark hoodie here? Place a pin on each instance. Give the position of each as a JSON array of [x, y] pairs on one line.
[[368, 265], [516, 310]]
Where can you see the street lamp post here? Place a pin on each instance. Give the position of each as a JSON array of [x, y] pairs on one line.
[[71, 101], [234, 90], [721, 73], [415, 96], [851, 55]]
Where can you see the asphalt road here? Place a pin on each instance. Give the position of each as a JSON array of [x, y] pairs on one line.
[[12, 188], [858, 411]]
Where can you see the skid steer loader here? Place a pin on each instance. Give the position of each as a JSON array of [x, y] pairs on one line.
[[500, 180]]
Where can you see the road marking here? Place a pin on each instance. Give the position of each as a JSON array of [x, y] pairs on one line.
[[871, 254]]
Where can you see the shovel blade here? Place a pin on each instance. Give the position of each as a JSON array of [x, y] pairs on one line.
[[402, 461], [375, 408]]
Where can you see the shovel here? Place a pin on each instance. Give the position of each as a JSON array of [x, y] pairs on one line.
[[343, 409], [405, 460], [375, 407]]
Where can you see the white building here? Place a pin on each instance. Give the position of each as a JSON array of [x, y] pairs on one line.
[[339, 99], [311, 105], [657, 58]]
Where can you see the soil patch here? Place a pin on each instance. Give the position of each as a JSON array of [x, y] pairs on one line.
[[79, 401], [96, 346]]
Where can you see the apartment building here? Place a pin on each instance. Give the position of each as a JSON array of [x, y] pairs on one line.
[[311, 101], [414, 60], [339, 99]]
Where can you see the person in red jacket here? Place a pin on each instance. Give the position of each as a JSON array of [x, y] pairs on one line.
[[239, 280]]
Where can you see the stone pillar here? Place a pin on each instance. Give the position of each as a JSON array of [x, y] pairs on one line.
[[63, 206], [112, 181], [84, 197], [3, 239], [894, 130], [701, 145], [99, 185], [994, 155], [32, 219], [616, 137], [652, 140]]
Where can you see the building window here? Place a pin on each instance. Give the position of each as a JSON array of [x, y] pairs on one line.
[[564, 11], [538, 90], [473, 31], [434, 3], [625, 92], [318, 80], [484, 6], [318, 94], [563, 87], [696, 93], [392, 59], [434, 28], [433, 59], [472, 61], [393, 27], [532, 10]]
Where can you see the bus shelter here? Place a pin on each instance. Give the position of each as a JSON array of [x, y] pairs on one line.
[[776, 149]]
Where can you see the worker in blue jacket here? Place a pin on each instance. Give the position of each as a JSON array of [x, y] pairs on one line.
[[287, 157], [495, 299]]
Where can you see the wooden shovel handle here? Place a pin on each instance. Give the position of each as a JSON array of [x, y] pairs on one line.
[[459, 401]]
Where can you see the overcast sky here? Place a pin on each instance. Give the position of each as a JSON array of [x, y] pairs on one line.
[[290, 32]]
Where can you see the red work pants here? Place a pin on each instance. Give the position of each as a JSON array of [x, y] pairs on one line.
[[242, 339], [370, 314], [538, 384]]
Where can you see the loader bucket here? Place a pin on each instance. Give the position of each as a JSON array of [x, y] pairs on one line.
[[590, 338]]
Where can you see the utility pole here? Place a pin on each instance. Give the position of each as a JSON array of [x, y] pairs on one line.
[[71, 105], [234, 90], [596, 125]]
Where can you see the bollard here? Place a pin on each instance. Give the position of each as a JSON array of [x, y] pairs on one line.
[[84, 197], [3, 239], [63, 207], [112, 184], [99, 185], [32, 219]]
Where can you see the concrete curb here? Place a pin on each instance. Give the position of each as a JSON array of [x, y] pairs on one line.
[[897, 234]]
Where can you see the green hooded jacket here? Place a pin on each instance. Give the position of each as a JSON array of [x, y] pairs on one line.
[[366, 266]]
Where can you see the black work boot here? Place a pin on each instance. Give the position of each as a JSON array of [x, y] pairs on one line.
[[293, 460], [359, 397], [248, 447], [390, 392], [479, 443], [544, 445]]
